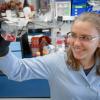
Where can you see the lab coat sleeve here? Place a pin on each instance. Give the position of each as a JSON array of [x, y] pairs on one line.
[[24, 69]]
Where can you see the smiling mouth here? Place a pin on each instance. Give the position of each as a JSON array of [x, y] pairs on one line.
[[77, 49]]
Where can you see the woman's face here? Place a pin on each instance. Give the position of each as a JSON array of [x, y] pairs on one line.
[[84, 41]]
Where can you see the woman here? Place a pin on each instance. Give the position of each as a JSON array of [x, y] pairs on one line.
[[74, 75]]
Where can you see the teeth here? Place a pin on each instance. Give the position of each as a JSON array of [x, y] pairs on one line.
[[77, 49]]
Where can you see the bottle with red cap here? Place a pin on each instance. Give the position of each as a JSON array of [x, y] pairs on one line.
[[59, 41]]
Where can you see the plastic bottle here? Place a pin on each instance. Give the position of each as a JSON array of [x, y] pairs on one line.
[[60, 46], [26, 9]]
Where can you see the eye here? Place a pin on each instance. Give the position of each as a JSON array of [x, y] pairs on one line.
[[86, 38], [68, 35], [73, 35]]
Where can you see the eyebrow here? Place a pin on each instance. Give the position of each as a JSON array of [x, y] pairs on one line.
[[82, 34]]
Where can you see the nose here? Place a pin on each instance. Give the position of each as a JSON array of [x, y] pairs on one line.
[[77, 41]]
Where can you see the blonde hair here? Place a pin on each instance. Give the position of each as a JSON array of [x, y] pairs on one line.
[[94, 19]]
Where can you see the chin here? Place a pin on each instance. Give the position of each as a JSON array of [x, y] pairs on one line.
[[78, 57]]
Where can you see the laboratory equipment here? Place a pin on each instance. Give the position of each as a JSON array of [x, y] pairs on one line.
[[63, 8]]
